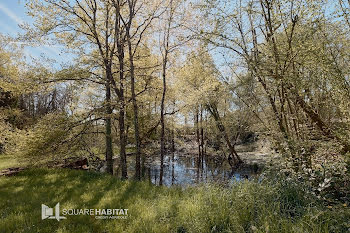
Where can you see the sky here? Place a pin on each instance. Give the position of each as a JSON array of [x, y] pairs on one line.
[[12, 14]]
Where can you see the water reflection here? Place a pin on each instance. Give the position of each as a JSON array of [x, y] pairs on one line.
[[184, 170]]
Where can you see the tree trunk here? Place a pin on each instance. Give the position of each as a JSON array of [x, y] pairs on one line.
[[173, 140], [122, 135], [233, 154], [202, 136], [109, 145], [196, 122], [162, 124], [135, 108]]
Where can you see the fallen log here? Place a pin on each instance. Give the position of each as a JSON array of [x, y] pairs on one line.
[[11, 171]]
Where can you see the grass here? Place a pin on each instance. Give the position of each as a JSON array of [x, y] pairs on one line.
[[246, 207], [7, 161]]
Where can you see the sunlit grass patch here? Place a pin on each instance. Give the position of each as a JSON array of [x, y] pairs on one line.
[[246, 207], [7, 161]]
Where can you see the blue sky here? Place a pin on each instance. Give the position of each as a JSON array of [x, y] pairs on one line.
[[13, 13]]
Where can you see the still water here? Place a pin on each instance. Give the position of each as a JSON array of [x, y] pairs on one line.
[[184, 170]]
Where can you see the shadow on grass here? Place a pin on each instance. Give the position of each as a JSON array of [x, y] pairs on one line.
[[21, 198], [246, 207]]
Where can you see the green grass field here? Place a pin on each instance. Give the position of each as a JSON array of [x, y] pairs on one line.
[[246, 207]]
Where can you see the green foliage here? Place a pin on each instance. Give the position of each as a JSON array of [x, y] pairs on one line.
[[197, 80], [328, 181], [55, 136], [287, 67]]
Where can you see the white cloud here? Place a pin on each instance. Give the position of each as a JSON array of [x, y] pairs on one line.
[[10, 14], [53, 51]]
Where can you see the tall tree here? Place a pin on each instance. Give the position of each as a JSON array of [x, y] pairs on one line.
[[134, 36], [165, 53], [85, 27]]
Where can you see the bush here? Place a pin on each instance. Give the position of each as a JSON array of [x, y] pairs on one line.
[[55, 136], [328, 181]]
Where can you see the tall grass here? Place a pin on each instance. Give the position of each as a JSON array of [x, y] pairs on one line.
[[247, 206]]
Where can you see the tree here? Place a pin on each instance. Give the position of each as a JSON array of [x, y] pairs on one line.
[[165, 53], [134, 35], [200, 85], [287, 49], [172, 37], [85, 27]]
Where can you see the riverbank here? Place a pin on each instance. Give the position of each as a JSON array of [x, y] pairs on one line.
[[246, 206]]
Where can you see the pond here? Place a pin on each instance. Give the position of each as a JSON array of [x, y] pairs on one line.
[[183, 170]]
